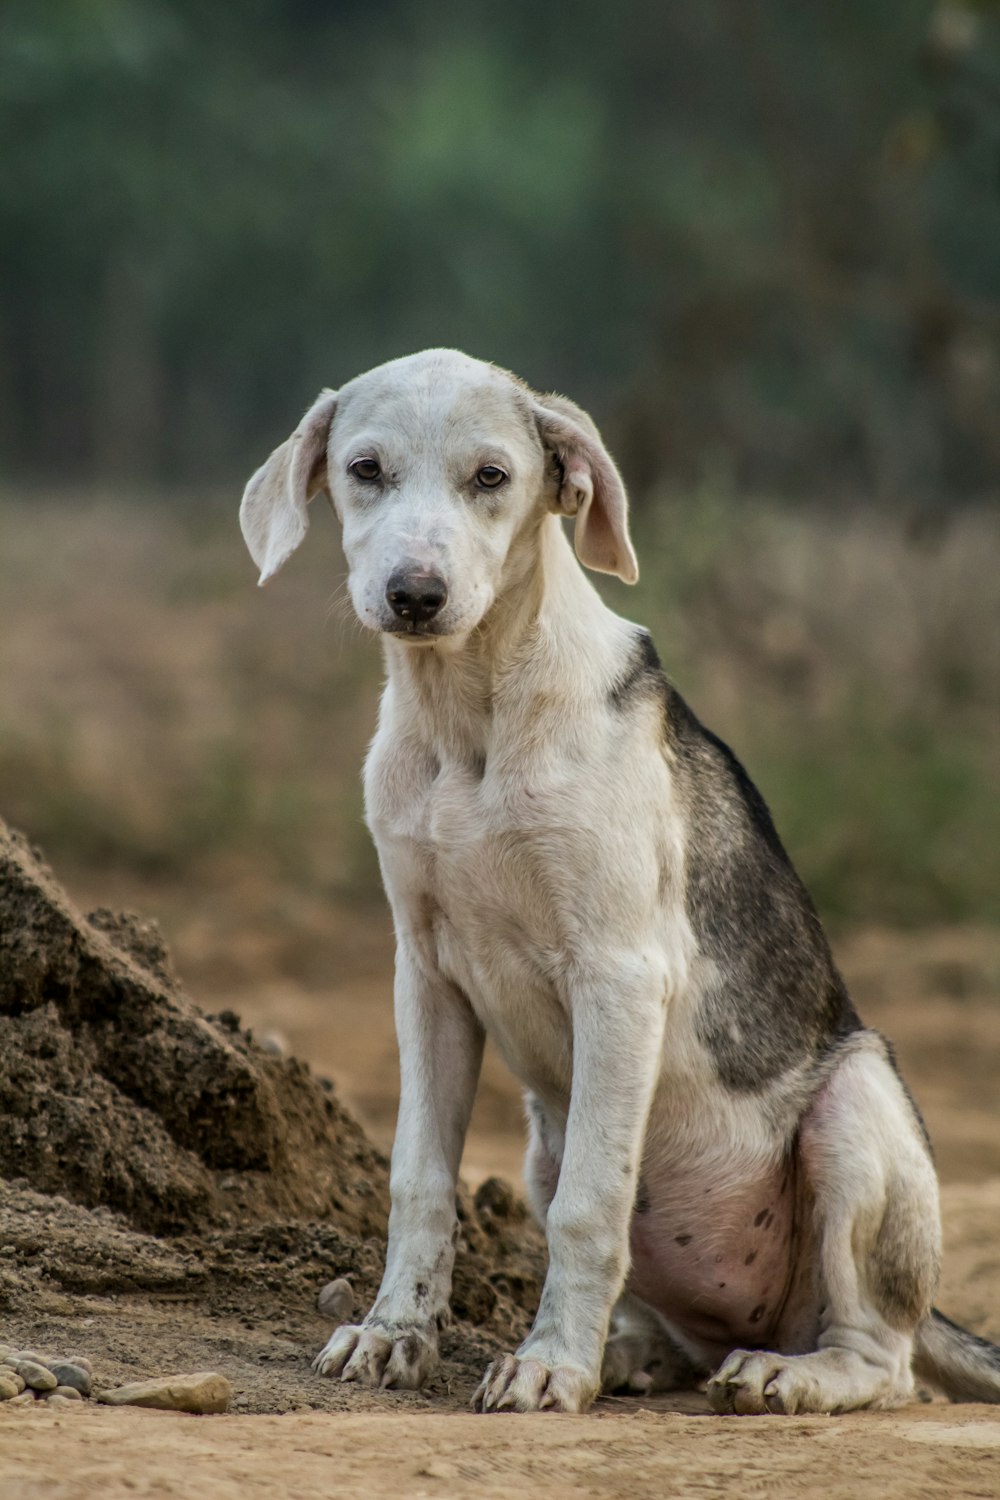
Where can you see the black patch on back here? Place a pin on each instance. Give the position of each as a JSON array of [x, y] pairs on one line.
[[642, 675], [778, 998]]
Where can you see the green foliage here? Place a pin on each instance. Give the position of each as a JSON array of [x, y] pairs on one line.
[[767, 233]]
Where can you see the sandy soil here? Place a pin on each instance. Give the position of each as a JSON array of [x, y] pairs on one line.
[[242, 1300], [914, 1455]]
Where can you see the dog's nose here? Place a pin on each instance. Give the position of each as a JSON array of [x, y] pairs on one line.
[[416, 597]]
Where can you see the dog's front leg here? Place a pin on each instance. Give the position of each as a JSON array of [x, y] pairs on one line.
[[617, 1037], [440, 1054]]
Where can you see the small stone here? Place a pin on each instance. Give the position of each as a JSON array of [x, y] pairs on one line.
[[82, 1363], [275, 1042], [204, 1392], [69, 1391], [336, 1300], [66, 1401], [26, 1398], [438, 1468], [37, 1376], [10, 1386], [70, 1374]]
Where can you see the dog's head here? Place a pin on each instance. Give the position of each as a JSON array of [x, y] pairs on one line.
[[441, 469]]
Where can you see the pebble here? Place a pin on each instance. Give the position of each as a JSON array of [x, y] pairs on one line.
[[68, 1373], [336, 1300], [204, 1392], [81, 1362], [35, 1375], [276, 1043], [64, 1401], [26, 1398], [10, 1386], [70, 1393], [438, 1468]]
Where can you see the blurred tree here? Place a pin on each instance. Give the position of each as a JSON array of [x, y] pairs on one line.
[[758, 236]]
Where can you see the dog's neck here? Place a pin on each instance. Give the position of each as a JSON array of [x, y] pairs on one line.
[[548, 638]]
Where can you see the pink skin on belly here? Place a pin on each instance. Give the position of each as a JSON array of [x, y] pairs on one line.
[[715, 1262]]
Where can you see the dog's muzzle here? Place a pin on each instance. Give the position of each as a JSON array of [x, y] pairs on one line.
[[415, 597]]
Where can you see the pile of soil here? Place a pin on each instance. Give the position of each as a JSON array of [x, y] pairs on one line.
[[152, 1155]]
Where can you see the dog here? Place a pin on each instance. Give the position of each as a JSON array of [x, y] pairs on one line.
[[734, 1183]]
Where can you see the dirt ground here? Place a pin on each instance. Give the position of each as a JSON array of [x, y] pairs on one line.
[[238, 1295]]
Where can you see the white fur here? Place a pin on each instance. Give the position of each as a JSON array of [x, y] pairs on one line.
[[532, 850]]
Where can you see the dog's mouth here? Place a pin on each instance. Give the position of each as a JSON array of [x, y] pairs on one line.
[[414, 633]]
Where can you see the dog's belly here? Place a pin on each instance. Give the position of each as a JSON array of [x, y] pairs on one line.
[[714, 1259]]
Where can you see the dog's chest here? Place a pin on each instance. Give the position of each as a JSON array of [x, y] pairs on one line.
[[489, 863]]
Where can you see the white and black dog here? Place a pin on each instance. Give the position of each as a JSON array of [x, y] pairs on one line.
[[731, 1175]]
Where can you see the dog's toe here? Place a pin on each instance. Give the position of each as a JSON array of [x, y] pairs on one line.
[[373, 1357], [739, 1385], [513, 1384]]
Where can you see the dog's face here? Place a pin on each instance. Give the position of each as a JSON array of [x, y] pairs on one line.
[[441, 469], [437, 471]]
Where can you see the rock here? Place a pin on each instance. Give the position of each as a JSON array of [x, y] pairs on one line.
[[438, 1468], [336, 1300], [65, 1402], [71, 1374], [10, 1386], [26, 1398], [35, 1375], [204, 1392], [70, 1393], [81, 1362]]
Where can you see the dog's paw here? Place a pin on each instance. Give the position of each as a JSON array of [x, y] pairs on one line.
[[758, 1383], [397, 1359], [513, 1384]]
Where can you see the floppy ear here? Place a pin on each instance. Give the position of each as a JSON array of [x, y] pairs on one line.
[[591, 487], [273, 513]]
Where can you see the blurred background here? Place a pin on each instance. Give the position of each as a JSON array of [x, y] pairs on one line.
[[760, 242]]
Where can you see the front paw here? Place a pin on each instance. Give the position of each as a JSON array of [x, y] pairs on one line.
[[515, 1384], [390, 1357]]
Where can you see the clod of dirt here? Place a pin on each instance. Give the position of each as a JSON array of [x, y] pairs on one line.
[[150, 1153]]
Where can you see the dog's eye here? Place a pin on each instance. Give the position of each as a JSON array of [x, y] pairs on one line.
[[491, 476], [366, 469]]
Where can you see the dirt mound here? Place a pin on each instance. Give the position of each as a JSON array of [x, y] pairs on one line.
[[116, 1090], [151, 1150]]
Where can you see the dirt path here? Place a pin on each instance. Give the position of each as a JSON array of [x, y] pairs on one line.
[[924, 1452]]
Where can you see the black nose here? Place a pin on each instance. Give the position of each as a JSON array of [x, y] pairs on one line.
[[415, 597]]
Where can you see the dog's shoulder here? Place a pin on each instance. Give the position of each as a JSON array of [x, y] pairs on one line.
[[775, 997]]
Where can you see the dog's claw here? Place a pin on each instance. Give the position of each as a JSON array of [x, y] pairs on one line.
[[515, 1384], [374, 1357]]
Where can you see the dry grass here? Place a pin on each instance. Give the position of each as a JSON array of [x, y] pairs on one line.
[[159, 717]]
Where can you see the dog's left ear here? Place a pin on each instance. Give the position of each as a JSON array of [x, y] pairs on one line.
[[273, 513], [591, 487]]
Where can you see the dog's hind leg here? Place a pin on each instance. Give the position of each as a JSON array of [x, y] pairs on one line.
[[640, 1355], [876, 1234]]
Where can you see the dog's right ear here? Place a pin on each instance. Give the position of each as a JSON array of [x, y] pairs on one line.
[[273, 513]]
